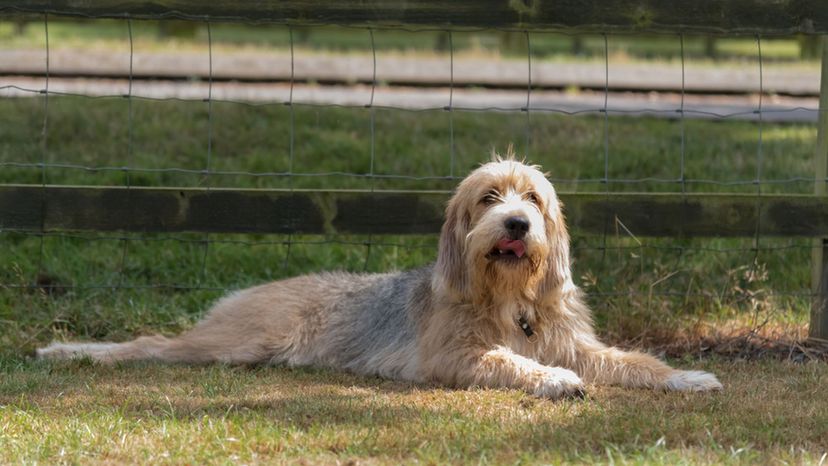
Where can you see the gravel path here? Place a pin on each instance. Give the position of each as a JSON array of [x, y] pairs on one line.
[[415, 70], [664, 105]]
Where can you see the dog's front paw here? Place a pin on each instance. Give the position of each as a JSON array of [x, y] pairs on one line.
[[556, 383], [692, 381]]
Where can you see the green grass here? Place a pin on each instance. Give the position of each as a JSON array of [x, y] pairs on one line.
[[644, 291], [770, 412], [248, 138], [151, 35]]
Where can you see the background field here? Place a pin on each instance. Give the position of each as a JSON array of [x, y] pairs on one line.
[[168, 35], [731, 306]]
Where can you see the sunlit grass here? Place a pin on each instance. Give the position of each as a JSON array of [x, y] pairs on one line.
[[79, 412], [554, 46]]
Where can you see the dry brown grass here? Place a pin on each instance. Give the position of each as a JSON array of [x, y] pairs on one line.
[[770, 411]]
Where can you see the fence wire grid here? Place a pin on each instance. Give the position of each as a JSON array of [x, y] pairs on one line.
[[288, 143]]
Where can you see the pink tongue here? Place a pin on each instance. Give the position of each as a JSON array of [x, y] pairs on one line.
[[517, 246]]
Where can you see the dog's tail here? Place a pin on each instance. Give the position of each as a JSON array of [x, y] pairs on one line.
[[156, 347]]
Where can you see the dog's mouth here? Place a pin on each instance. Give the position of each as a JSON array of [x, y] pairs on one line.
[[508, 250]]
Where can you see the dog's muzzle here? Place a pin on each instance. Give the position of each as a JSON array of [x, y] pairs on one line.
[[508, 249]]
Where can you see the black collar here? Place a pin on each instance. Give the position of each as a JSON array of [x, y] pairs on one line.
[[527, 329]]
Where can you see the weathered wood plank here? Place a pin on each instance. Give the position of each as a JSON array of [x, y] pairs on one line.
[[385, 212], [698, 214], [732, 16], [218, 210], [819, 255]]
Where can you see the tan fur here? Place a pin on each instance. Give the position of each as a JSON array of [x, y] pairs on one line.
[[453, 323]]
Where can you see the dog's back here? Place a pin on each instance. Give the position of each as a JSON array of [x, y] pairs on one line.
[[366, 323], [373, 330]]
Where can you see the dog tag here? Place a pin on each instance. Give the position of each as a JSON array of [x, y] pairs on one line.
[[527, 329]]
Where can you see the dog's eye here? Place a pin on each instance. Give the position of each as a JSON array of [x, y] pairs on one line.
[[532, 197], [490, 198]]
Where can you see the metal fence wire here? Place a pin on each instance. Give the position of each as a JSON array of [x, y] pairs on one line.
[[617, 266]]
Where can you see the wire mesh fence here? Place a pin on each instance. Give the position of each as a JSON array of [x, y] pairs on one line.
[[126, 131]]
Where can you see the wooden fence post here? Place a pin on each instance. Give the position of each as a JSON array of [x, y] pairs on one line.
[[819, 257]]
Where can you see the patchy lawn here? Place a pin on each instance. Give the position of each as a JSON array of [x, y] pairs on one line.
[[78, 412]]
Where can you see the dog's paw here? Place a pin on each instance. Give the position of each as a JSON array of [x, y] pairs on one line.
[[54, 351], [692, 381], [559, 383]]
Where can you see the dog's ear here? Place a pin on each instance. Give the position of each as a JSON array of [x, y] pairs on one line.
[[557, 262], [451, 273]]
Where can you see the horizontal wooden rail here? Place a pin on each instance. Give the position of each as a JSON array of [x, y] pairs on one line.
[[725, 16], [140, 209]]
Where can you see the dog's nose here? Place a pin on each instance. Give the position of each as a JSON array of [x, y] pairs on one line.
[[517, 227]]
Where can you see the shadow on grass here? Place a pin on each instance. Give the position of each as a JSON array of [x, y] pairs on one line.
[[767, 404]]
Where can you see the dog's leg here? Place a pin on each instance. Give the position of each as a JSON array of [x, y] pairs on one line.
[[205, 343], [243, 328], [215, 339], [190, 347], [598, 363], [138, 349], [502, 368]]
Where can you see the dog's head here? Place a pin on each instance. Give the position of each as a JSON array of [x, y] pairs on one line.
[[504, 236]]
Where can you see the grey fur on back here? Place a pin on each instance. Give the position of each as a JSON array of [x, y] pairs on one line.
[[373, 329]]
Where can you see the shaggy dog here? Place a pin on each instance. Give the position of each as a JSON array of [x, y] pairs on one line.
[[497, 309]]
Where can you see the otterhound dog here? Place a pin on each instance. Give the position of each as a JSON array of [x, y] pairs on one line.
[[498, 309]]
